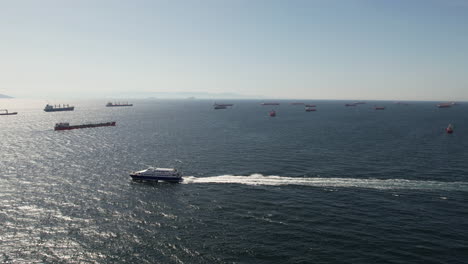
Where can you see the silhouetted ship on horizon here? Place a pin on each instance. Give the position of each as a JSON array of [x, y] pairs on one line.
[[5, 112], [109, 104], [54, 108]]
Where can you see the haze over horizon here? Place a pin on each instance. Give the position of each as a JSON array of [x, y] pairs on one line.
[[356, 49]]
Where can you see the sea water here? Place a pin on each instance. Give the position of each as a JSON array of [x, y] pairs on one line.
[[339, 185]]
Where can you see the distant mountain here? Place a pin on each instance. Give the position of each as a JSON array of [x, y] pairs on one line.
[[5, 96], [185, 95]]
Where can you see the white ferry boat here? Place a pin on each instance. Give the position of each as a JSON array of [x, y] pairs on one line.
[[158, 174]]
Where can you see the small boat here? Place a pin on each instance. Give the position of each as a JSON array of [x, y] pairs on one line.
[[67, 126], [8, 113], [158, 174], [350, 104], [357, 103], [310, 105], [379, 108], [449, 129], [272, 113], [109, 104], [270, 103], [310, 109], [55, 108]]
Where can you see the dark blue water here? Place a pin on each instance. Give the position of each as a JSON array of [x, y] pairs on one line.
[[340, 185]]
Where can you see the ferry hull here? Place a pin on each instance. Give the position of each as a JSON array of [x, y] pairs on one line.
[[156, 178]]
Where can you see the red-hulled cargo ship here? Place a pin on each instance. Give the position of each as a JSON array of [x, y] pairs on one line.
[[67, 126]]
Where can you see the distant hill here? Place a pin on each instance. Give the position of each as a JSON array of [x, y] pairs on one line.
[[5, 96], [185, 95]]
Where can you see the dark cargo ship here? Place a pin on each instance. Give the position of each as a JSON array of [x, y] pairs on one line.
[[54, 108], [67, 126], [7, 113], [117, 104]]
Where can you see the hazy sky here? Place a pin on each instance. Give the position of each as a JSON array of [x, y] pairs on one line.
[[319, 49]]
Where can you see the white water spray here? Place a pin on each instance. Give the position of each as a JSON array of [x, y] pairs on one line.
[[259, 179]]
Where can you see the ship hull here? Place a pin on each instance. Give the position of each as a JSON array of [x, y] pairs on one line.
[[85, 126], [118, 105], [60, 109], [156, 178]]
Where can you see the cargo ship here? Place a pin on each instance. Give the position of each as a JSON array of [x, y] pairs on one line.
[[109, 104], [67, 126], [54, 108], [215, 104], [221, 106], [444, 105], [7, 113]]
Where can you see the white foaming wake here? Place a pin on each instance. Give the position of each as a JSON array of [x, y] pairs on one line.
[[259, 179]]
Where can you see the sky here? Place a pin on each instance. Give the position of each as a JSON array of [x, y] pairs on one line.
[[291, 49]]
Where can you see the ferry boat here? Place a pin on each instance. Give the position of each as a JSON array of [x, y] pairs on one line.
[[449, 129], [310, 109], [272, 113], [54, 108], [7, 113], [67, 126], [109, 104], [270, 103], [158, 174]]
